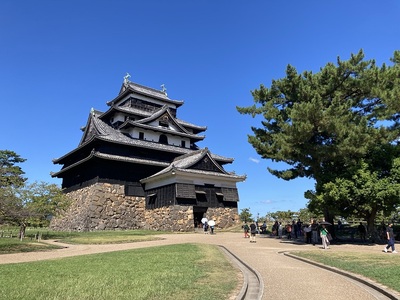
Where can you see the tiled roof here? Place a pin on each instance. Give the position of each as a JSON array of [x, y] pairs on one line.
[[184, 162], [190, 125], [189, 159], [145, 114], [146, 91], [159, 113], [107, 133], [164, 130], [227, 175], [114, 158]]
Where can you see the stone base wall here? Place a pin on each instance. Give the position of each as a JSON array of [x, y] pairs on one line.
[[223, 216], [101, 206], [170, 218], [104, 206]]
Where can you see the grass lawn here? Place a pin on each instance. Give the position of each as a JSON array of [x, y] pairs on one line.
[[383, 267], [103, 237], [185, 271], [29, 244], [14, 245]]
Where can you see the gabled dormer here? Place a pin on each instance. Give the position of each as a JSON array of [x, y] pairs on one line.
[[163, 118], [161, 127], [198, 167]]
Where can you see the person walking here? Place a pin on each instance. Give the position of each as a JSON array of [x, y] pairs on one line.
[[253, 231], [307, 231], [390, 238], [324, 237], [280, 230], [314, 232], [362, 232], [246, 229], [205, 227], [299, 228], [289, 231], [294, 229], [275, 228]]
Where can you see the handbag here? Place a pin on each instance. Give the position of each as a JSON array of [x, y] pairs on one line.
[[329, 237]]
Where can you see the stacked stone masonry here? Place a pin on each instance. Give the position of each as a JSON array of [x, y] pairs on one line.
[[104, 206]]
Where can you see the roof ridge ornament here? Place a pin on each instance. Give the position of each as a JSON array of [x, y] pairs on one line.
[[126, 78], [164, 89]]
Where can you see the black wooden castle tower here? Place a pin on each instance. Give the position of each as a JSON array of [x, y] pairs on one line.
[[138, 166]]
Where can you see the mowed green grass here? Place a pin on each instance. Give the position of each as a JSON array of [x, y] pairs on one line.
[[104, 237], [184, 271], [14, 245], [29, 244], [380, 267]]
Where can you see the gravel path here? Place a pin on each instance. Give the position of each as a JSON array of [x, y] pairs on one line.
[[283, 276]]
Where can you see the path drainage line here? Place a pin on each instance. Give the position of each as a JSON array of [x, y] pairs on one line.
[[344, 273], [246, 269]]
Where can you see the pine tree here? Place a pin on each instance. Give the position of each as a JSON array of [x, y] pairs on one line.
[[323, 124]]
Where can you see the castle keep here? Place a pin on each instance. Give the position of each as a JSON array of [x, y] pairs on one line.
[[138, 166]]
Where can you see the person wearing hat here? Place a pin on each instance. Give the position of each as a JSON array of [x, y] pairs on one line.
[[390, 238]]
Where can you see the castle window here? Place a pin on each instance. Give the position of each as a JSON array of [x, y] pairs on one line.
[[141, 135], [183, 144], [151, 199], [201, 196], [163, 139], [220, 197]]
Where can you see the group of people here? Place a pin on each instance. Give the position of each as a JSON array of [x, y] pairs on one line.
[[208, 225], [291, 230], [314, 233], [253, 229]]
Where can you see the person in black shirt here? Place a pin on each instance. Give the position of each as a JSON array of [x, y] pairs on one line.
[[362, 231], [253, 231], [390, 238]]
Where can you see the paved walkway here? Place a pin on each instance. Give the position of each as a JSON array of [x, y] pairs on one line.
[[283, 276]]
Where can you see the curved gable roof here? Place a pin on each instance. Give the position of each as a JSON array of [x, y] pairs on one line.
[[158, 114], [92, 128], [101, 131], [135, 88], [183, 164]]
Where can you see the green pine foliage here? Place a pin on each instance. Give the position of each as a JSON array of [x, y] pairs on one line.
[[324, 125], [10, 173]]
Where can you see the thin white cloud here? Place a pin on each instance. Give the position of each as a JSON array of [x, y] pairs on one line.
[[268, 202], [254, 160]]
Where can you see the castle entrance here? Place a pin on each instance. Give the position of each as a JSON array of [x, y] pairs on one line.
[[198, 214]]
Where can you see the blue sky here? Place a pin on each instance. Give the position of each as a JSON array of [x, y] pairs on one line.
[[58, 59]]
